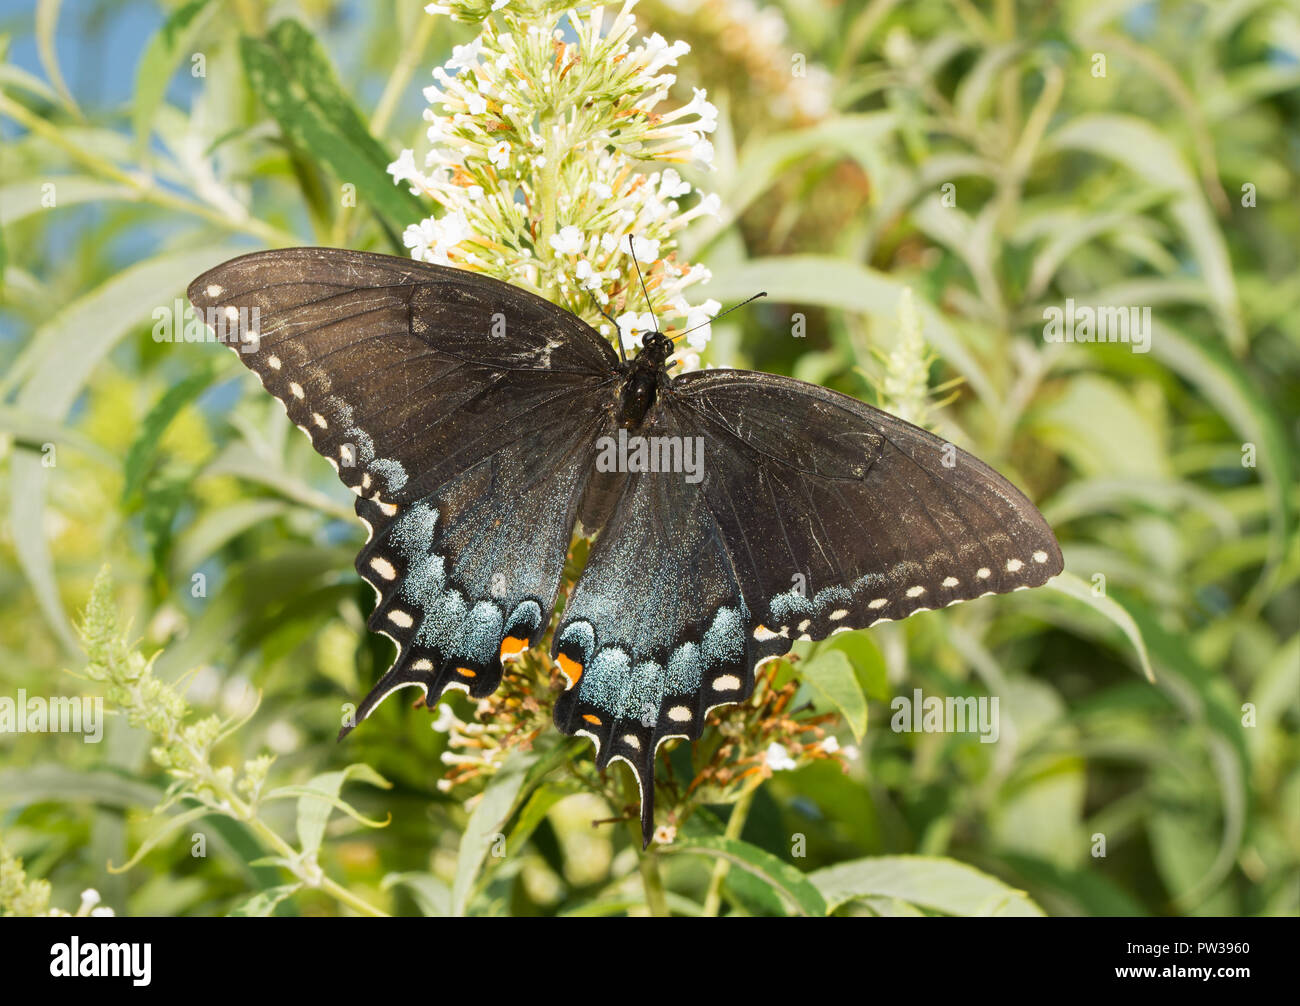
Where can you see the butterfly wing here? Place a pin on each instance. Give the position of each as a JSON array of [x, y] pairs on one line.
[[816, 513], [458, 409], [841, 515]]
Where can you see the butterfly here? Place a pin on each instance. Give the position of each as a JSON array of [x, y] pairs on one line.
[[734, 512]]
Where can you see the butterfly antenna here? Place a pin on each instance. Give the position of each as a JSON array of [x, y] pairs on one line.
[[734, 307], [618, 333], [632, 248]]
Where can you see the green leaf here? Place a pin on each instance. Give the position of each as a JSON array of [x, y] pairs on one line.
[[504, 795], [34, 432], [292, 75], [830, 675], [218, 526], [1071, 586], [1240, 400], [865, 656], [52, 370], [38, 783], [934, 883], [47, 24], [431, 895], [155, 424], [485, 825], [263, 903], [321, 796], [847, 286], [159, 61], [795, 888], [1148, 153]]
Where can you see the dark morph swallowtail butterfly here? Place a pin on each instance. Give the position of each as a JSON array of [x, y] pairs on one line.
[[467, 415]]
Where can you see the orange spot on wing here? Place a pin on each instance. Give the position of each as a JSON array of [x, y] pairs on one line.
[[571, 668], [591, 719], [512, 645], [467, 672]]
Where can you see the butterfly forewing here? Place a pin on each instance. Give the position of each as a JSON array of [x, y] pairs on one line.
[[824, 541]]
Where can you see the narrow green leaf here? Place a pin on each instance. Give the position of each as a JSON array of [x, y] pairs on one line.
[[263, 903], [1238, 397], [941, 885], [485, 825], [52, 370], [321, 796], [66, 785], [293, 77], [1071, 586], [431, 895], [159, 418], [47, 26], [158, 62], [1148, 153], [794, 887]]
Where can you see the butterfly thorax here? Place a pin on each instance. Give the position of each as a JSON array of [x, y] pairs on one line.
[[645, 374]]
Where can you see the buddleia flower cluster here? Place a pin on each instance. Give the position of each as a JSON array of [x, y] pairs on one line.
[[553, 161]]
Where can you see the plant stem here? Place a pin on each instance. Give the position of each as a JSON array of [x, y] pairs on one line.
[[735, 825], [653, 882], [648, 863], [401, 75]]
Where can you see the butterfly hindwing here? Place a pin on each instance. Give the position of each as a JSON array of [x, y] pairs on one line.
[[467, 576]]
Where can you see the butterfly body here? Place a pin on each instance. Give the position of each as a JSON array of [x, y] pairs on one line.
[[476, 452]]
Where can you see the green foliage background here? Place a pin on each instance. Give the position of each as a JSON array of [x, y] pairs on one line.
[[1169, 181]]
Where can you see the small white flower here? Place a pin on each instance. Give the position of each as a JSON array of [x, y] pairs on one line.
[[778, 758], [830, 745], [102, 913], [702, 151], [465, 57], [476, 102], [698, 319], [665, 834], [851, 752], [632, 326], [500, 154], [445, 719], [89, 898], [403, 169], [568, 242], [646, 250], [602, 190], [671, 185], [418, 237]]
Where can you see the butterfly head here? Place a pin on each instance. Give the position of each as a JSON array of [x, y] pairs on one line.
[[656, 348]]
